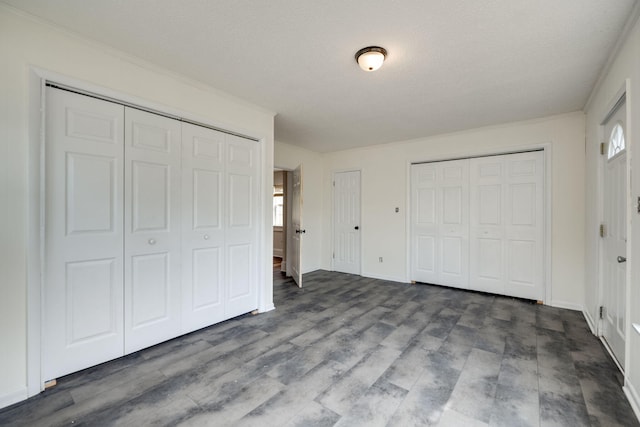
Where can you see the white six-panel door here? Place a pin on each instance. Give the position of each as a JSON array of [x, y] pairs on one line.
[[614, 253], [479, 224], [440, 223], [83, 296], [133, 255], [507, 230], [203, 160], [453, 217], [346, 222], [487, 263], [241, 225], [152, 258]]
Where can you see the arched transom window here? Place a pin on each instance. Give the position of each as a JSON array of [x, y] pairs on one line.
[[616, 141]]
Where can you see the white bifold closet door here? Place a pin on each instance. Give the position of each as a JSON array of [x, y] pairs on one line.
[[440, 223], [152, 257], [241, 225], [507, 225], [479, 224], [203, 159], [219, 214], [83, 293], [151, 231]]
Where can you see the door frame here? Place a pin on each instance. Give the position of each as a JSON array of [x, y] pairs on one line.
[[333, 205], [546, 148], [597, 323], [287, 227], [35, 259], [285, 206]]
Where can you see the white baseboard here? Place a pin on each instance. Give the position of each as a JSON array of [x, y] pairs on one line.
[[612, 356], [269, 307], [384, 277], [13, 397], [590, 322], [566, 304], [632, 397]]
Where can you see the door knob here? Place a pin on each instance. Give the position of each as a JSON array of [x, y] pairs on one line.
[[152, 241], [206, 237], [356, 228], [622, 259]]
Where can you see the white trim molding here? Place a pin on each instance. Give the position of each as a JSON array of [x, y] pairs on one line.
[[14, 397], [633, 397]]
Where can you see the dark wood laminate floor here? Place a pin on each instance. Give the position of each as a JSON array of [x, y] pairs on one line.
[[349, 351]]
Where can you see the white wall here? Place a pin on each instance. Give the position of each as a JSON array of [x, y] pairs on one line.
[[626, 65], [26, 43], [290, 157], [385, 187]]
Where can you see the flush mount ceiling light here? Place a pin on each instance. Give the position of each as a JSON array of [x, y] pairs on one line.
[[371, 58]]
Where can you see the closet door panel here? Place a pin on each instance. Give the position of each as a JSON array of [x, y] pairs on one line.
[[487, 261], [440, 223], [82, 293], [426, 259], [524, 225], [424, 225], [453, 222], [239, 275], [241, 251], [203, 195], [152, 229]]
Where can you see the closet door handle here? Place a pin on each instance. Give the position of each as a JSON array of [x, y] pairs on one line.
[[622, 259], [206, 237], [152, 241]]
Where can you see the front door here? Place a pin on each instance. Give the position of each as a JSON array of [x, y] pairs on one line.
[[346, 222], [615, 233], [203, 227]]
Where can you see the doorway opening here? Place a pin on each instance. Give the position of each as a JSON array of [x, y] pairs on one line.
[[287, 224], [279, 221]]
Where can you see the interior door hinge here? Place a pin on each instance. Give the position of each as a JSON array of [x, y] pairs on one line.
[[603, 148], [334, 183], [601, 312], [602, 230], [334, 255]]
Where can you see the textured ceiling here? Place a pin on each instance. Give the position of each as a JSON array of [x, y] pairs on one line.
[[452, 64]]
